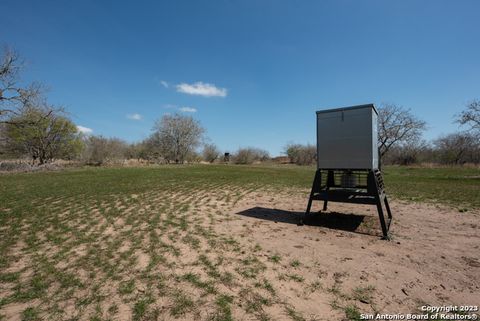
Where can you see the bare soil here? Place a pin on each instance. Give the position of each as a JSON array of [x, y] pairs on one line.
[[433, 257]]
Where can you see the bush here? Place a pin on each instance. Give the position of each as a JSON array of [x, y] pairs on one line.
[[100, 150], [410, 153], [301, 154], [210, 153], [458, 148], [250, 155]]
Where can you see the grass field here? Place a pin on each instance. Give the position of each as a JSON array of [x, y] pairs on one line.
[[91, 243], [458, 187]]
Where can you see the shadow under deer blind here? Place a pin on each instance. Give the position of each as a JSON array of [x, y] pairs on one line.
[[348, 168]]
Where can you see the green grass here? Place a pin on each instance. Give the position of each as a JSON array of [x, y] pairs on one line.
[[352, 313], [224, 311], [364, 294], [276, 258], [181, 304], [295, 263], [126, 287], [456, 186], [294, 315], [30, 314], [98, 182], [140, 308], [196, 281]]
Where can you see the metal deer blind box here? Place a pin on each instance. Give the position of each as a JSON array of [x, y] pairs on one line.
[[347, 138], [348, 161]]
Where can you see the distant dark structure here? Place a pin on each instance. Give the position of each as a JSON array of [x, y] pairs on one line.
[[348, 168], [226, 157]]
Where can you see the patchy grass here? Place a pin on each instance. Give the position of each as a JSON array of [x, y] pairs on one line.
[[294, 315], [30, 314], [182, 304], [224, 310], [352, 313], [364, 294], [194, 279], [275, 258], [295, 263], [94, 243]]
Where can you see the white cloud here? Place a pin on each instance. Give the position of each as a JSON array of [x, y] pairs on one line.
[[84, 130], [134, 116], [168, 106], [188, 109], [202, 89], [164, 83]]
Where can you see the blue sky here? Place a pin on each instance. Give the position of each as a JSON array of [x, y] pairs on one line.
[[254, 71]]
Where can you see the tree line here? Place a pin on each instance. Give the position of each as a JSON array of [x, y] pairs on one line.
[[32, 128]]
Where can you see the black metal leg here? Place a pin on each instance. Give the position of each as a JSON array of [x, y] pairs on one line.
[[307, 212], [309, 206], [325, 203], [387, 206], [315, 186], [382, 218]]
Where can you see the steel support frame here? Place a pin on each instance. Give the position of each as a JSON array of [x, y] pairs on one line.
[[373, 194]]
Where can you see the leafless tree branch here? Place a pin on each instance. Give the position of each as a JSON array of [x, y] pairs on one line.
[[471, 116], [397, 125]]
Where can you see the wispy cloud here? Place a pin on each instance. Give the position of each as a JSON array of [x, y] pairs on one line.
[[201, 89], [187, 109], [161, 82], [134, 116], [84, 130], [184, 109]]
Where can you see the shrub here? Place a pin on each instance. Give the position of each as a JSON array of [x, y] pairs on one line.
[[250, 155], [210, 153], [100, 150], [301, 154]]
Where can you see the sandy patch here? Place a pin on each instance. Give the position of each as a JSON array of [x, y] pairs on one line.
[[433, 256]]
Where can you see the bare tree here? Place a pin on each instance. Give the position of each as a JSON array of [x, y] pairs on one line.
[[458, 148], [471, 116], [14, 97], [176, 136], [397, 125], [249, 155], [409, 153], [301, 154], [210, 153], [99, 150], [150, 150]]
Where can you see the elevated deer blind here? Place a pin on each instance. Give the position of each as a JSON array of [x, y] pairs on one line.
[[348, 161]]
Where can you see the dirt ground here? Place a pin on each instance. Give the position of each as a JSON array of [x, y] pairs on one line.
[[433, 257]]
